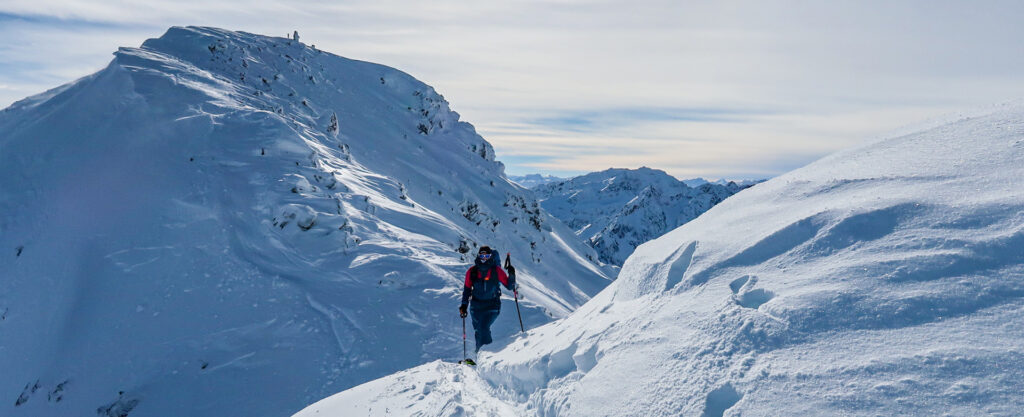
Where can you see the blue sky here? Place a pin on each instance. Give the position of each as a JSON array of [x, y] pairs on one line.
[[735, 89]]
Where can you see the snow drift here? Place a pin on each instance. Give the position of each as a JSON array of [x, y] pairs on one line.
[[221, 223], [885, 280]]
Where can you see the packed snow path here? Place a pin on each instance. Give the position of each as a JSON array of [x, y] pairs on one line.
[[884, 280], [435, 389]]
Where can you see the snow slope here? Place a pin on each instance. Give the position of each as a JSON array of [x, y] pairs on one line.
[[884, 280], [618, 209], [221, 223]]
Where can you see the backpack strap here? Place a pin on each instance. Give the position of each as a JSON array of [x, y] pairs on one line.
[[478, 275]]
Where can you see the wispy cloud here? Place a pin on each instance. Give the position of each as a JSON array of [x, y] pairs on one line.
[[64, 22], [723, 88], [756, 145], [591, 120]]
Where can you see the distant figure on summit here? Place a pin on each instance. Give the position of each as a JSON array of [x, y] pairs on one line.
[[482, 285]]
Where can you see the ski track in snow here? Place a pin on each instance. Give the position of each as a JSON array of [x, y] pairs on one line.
[[435, 389]]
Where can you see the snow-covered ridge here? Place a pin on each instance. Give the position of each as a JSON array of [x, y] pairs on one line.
[[221, 223], [616, 210], [883, 280]]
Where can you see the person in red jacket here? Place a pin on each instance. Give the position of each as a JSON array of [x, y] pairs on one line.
[[482, 289]]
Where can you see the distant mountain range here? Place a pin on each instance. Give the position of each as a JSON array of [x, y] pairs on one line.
[[616, 210], [697, 182], [533, 180]]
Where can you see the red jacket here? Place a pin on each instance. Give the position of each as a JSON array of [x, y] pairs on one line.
[[482, 287], [502, 277]]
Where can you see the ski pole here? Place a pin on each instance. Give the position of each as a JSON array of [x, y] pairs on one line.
[[515, 292], [464, 337], [516, 295]]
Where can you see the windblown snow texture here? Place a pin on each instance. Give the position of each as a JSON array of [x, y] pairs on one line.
[[226, 224], [616, 210], [884, 280]]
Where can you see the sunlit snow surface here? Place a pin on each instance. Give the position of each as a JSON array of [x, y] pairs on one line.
[[225, 224], [885, 280]]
